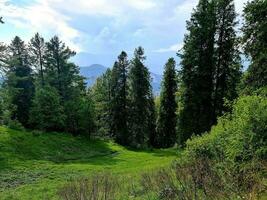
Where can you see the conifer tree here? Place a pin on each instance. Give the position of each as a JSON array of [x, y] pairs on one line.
[[140, 94], [197, 71], [119, 103], [64, 76], [166, 130], [61, 73], [20, 81], [37, 50], [101, 94], [255, 43], [227, 61]]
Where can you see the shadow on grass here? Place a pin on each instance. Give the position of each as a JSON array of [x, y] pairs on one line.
[[58, 148]]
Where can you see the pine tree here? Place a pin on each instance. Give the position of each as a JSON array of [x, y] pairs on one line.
[[37, 50], [64, 76], [197, 71], [139, 94], [255, 43], [119, 104], [167, 111], [227, 61], [210, 66], [20, 81], [61, 73], [101, 94]]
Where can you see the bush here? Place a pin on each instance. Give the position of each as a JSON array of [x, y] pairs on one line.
[[237, 145]]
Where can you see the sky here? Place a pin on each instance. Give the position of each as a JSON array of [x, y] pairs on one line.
[[98, 30]]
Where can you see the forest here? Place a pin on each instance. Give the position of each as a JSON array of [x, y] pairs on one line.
[[204, 136]]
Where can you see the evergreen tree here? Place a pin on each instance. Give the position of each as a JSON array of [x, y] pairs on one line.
[[210, 66], [47, 112], [119, 104], [37, 50], [167, 111], [101, 94], [197, 71], [19, 81], [61, 73], [64, 76], [227, 61], [140, 95], [152, 133], [255, 43]]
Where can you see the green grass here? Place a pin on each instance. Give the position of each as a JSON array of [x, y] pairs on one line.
[[35, 166]]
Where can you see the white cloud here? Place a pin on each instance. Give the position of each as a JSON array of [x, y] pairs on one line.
[[172, 48], [42, 18], [150, 17]]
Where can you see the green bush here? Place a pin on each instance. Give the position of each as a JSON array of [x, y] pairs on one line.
[[238, 137], [237, 146]]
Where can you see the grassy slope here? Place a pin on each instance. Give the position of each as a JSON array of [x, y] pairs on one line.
[[35, 166]]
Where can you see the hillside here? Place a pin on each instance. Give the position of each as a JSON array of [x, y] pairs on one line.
[[36, 165]]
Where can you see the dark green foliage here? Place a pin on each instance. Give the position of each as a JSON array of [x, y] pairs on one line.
[[61, 73], [101, 94], [197, 71], [255, 42], [47, 112], [119, 102], [167, 112], [227, 61], [210, 67], [64, 76], [19, 81], [140, 99], [152, 132]]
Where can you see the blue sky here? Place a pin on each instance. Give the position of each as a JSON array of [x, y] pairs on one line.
[[98, 30]]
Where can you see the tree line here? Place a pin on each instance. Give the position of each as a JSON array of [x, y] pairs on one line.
[[42, 89]]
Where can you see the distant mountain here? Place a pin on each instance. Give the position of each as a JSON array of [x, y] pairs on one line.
[[92, 72], [156, 83]]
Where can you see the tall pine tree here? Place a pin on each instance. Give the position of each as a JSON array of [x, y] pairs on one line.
[[101, 94], [119, 102], [210, 66], [197, 71], [140, 99], [227, 60], [37, 50], [20, 81], [166, 129]]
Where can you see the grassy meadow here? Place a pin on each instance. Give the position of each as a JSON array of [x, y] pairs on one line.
[[35, 165]]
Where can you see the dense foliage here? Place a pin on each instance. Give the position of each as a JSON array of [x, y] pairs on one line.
[[210, 66], [255, 42], [166, 130]]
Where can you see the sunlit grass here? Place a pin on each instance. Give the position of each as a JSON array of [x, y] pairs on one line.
[[35, 166]]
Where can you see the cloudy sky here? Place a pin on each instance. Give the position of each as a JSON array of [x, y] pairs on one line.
[[98, 30]]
